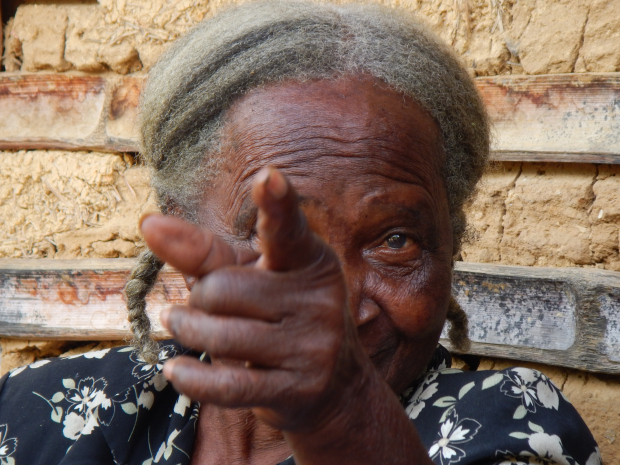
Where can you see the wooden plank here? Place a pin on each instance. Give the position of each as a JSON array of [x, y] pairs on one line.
[[561, 316], [554, 118], [71, 112], [76, 299]]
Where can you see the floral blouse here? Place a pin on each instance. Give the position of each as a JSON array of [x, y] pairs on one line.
[[110, 407]]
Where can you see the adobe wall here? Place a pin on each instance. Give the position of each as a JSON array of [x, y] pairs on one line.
[[546, 214], [60, 204]]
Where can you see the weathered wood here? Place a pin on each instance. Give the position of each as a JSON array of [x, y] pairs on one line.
[[76, 299], [555, 117], [558, 118], [560, 316], [74, 112]]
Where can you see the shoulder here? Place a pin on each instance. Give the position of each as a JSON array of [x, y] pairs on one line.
[[112, 370], [508, 416], [69, 400]]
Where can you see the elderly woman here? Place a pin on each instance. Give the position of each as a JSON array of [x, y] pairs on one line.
[[311, 163]]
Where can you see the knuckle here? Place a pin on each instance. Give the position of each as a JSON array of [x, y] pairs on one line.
[[177, 320], [224, 342], [233, 387], [214, 291], [198, 294]]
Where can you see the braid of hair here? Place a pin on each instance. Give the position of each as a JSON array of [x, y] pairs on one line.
[[141, 281], [458, 333]]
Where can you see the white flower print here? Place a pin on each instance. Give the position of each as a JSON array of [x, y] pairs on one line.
[[520, 384], [145, 370], [88, 396], [595, 458], [533, 388], [165, 449], [548, 449], [417, 400], [545, 449], [38, 364], [94, 354], [88, 406], [16, 371], [452, 432], [7, 445], [74, 425], [146, 399], [181, 405], [86, 402], [547, 393], [159, 381]]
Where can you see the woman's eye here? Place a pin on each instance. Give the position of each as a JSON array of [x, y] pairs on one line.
[[396, 241]]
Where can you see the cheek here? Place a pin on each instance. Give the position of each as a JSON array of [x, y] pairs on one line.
[[417, 305]]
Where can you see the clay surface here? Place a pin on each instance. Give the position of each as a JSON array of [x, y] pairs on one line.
[[18, 352], [545, 214], [71, 204], [492, 36]]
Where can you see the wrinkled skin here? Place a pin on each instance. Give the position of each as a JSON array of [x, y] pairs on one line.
[[321, 275]]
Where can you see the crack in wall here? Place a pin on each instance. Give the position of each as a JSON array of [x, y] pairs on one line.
[[589, 212], [505, 211], [564, 380], [581, 40]]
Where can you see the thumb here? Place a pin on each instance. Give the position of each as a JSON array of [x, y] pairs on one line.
[[286, 241]]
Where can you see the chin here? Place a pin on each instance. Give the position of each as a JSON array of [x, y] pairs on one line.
[[400, 368], [398, 374]]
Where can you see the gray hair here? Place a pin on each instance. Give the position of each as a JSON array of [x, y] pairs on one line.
[[184, 102]]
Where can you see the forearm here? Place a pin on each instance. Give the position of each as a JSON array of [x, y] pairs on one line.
[[371, 429]]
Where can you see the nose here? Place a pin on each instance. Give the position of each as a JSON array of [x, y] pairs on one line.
[[363, 307]]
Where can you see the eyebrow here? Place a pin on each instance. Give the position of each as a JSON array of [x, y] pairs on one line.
[[248, 214], [245, 220]]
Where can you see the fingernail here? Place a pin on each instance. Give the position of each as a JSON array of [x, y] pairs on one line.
[[163, 316], [276, 184], [142, 218], [168, 369]]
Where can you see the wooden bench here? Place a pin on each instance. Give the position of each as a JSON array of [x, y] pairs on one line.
[[560, 316]]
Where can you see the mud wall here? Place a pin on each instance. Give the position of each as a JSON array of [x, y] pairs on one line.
[[61, 204]]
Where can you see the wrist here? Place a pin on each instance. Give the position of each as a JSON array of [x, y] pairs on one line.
[[369, 426]]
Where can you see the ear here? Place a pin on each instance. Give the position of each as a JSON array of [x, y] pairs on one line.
[[189, 281]]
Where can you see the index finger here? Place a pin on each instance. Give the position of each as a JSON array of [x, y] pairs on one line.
[[286, 241]]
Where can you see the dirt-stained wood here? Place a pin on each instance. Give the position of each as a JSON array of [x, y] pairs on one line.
[[75, 299], [560, 316], [72, 112], [557, 118]]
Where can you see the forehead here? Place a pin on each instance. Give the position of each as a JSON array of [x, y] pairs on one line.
[[351, 134], [308, 122]]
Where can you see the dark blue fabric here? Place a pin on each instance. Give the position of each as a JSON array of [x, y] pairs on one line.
[[111, 407]]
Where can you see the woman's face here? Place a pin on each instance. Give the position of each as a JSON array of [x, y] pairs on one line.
[[365, 161]]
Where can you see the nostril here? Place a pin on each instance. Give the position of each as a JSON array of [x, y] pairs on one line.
[[366, 311]]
